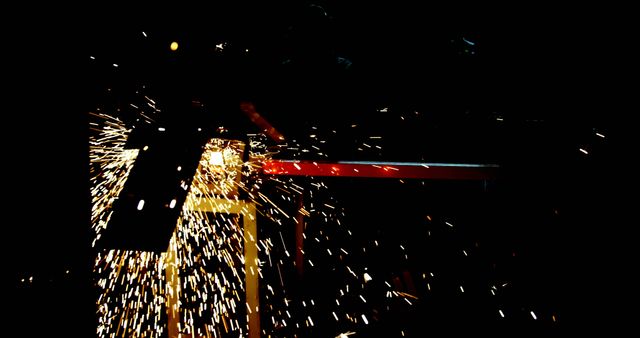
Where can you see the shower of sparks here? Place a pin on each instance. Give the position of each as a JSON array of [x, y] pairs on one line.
[[132, 285], [111, 164], [199, 284], [131, 302]]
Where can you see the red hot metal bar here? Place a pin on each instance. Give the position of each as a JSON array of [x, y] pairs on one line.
[[408, 170]]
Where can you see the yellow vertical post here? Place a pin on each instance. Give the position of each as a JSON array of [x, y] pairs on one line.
[[173, 282], [251, 269]]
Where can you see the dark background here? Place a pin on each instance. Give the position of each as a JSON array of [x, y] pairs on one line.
[[556, 75]]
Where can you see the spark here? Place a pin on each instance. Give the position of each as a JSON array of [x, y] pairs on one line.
[[533, 315], [501, 313], [584, 151], [140, 205], [600, 135], [172, 204]]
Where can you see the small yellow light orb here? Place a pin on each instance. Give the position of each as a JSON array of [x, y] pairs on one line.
[[174, 46]]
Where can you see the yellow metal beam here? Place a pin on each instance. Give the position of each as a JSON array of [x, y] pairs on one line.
[[248, 211], [251, 269], [173, 283]]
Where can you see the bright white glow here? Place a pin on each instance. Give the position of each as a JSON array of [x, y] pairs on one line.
[[172, 204], [501, 314], [216, 158], [140, 204], [145, 34], [600, 135], [584, 151], [161, 129], [179, 168], [461, 289], [365, 319], [367, 277], [534, 315], [145, 148], [115, 65]]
